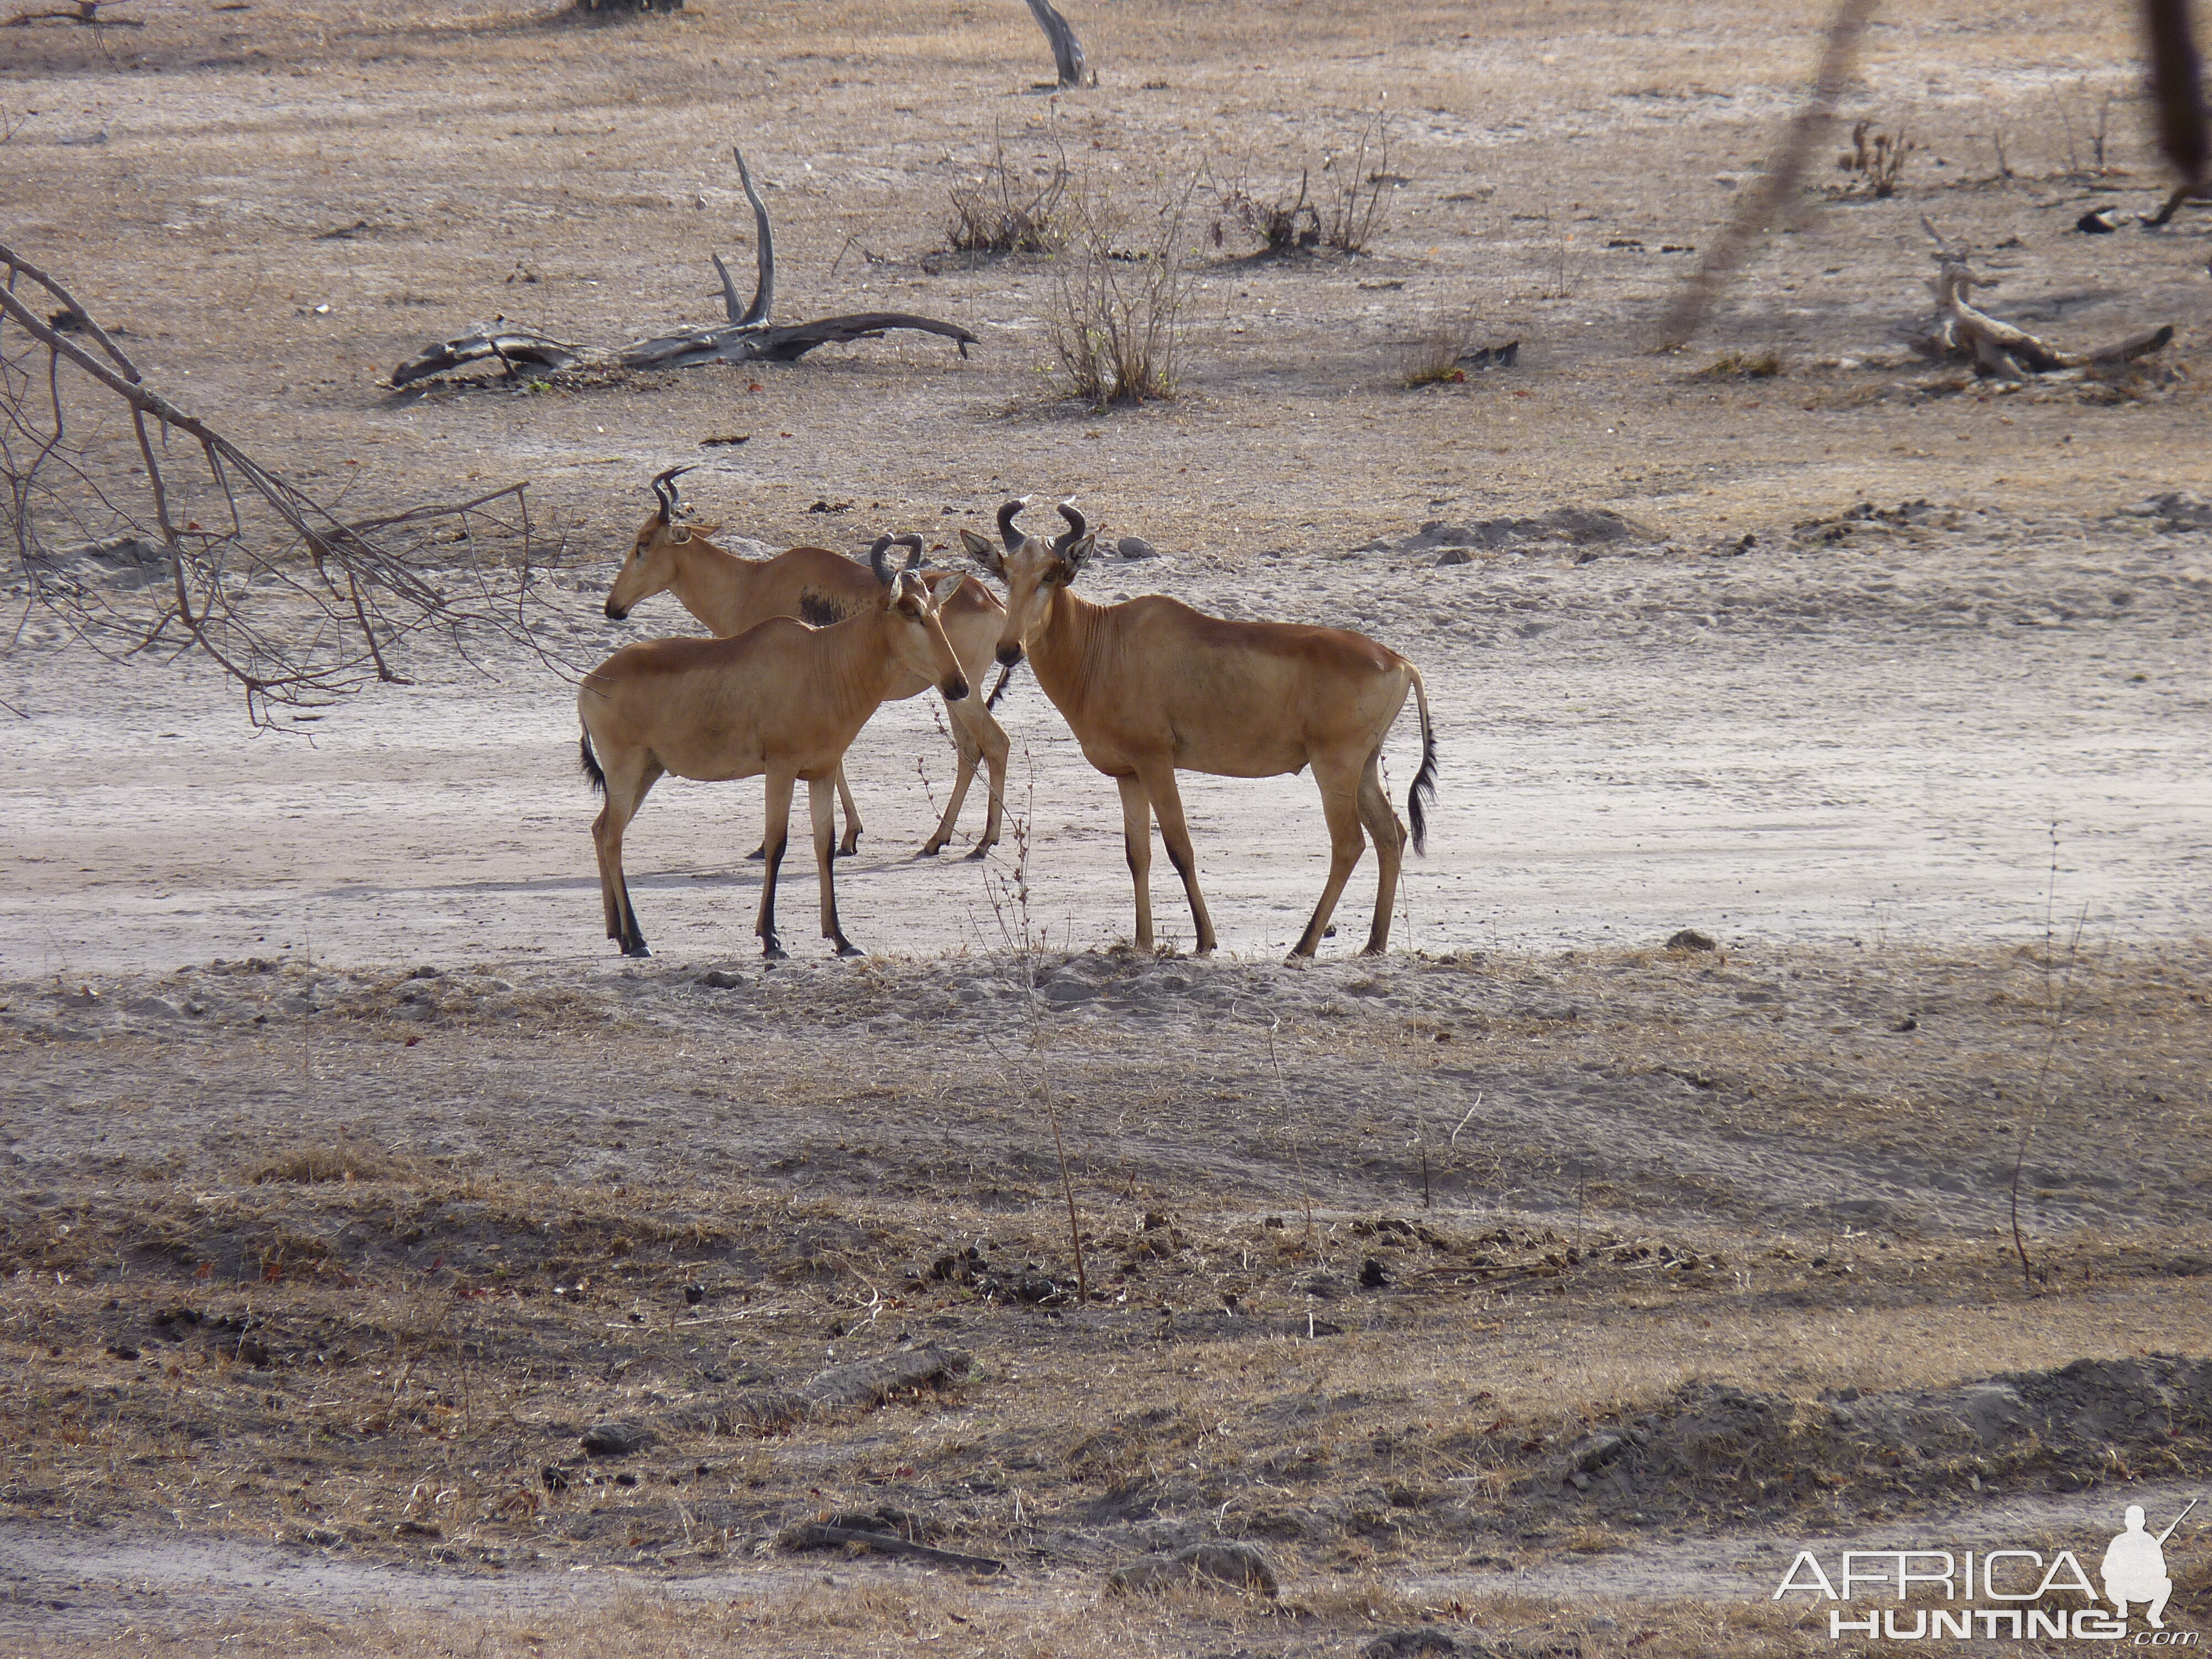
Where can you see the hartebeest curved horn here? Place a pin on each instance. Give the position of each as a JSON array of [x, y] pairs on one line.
[[663, 487], [878, 564], [912, 542], [755, 314], [1075, 529], [1011, 537]]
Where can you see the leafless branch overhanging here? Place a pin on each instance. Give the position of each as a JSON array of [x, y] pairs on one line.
[[136, 548]]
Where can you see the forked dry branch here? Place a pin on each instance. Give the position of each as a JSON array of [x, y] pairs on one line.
[[1963, 331], [296, 605], [747, 336]]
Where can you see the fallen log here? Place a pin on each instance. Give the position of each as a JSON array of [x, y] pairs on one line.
[[1067, 57], [747, 335], [497, 339], [1964, 332], [862, 1384]]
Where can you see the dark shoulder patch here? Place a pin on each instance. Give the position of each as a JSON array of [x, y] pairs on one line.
[[817, 612]]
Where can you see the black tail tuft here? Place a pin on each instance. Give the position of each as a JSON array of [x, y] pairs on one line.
[[599, 778], [999, 690], [1425, 781]]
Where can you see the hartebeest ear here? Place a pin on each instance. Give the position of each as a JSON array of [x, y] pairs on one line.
[[947, 585], [679, 534], [1072, 555], [984, 553]]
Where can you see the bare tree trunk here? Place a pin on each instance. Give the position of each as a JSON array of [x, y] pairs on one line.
[[1067, 50]]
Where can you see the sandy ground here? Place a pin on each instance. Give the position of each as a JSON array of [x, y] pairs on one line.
[[1893, 685]]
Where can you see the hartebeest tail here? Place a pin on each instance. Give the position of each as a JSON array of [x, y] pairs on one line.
[[1150, 686], [820, 587], [1425, 781], [782, 699]]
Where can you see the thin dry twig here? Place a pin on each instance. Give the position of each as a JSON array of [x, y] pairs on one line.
[[133, 552]]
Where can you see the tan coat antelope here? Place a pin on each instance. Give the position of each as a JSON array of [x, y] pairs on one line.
[[1151, 686], [729, 595], [782, 699]]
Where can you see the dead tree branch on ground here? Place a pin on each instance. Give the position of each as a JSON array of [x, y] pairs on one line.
[[748, 336], [296, 605], [1963, 331]]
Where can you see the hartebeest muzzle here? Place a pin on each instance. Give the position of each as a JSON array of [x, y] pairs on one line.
[[1009, 656], [954, 689], [617, 612]]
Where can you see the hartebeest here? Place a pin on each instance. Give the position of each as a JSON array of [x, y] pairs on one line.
[[731, 595], [782, 699], [1150, 686]]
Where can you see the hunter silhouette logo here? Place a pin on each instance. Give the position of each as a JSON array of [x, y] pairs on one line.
[[2014, 1593], [2135, 1567]]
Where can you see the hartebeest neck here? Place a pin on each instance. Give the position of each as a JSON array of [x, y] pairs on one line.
[[853, 666], [1068, 640], [712, 583]]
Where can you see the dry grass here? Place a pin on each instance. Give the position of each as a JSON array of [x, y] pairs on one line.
[[1875, 161], [1119, 326], [1438, 357], [1009, 208]]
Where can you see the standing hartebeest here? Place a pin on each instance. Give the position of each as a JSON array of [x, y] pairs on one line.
[[782, 699], [731, 595], [1150, 685]]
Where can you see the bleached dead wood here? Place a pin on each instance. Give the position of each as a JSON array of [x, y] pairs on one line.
[[1964, 332], [747, 335], [1067, 50]]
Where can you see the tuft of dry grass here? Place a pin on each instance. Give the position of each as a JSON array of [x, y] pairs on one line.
[[1009, 209], [1875, 160], [1438, 357], [1743, 365]]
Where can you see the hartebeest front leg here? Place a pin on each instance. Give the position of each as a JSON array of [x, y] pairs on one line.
[[822, 799], [1159, 783], [1137, 840], [772, 845], [846, 848]]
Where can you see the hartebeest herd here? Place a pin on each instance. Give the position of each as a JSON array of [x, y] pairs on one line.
[[809, 642]]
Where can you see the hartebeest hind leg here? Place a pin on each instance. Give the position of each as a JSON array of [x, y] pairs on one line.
[[1389, 836], [773, 842], [822, 801], [1159, 783], [626, 787], [977, 736], [1339, 803]]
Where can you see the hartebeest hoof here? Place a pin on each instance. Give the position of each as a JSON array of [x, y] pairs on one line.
[[849, 847], [636, 950], [772, 948], [983, 850], [930, 849], [846, 948], [757, 855]]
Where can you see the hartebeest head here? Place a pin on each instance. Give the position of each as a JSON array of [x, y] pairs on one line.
[[917, 637], [1031, 567], [651, 565]]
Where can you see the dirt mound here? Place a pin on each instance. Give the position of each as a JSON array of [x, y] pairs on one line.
[[1714, 1445]]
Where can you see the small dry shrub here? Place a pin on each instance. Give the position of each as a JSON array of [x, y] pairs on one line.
[[1346, 214], [1353, 214], [1744, 365], [1120, 322], [1004, 212], [1875, 160], [1438, 357]]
